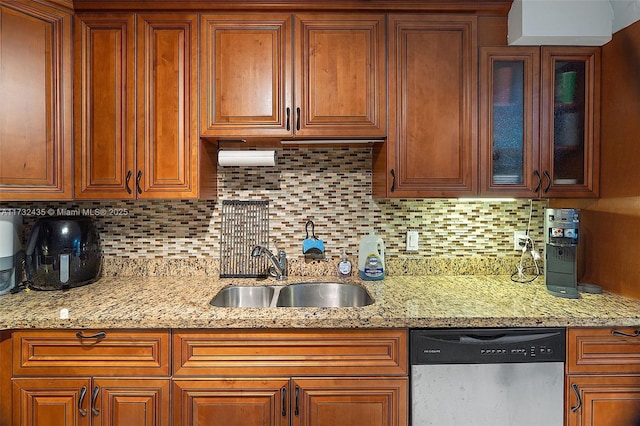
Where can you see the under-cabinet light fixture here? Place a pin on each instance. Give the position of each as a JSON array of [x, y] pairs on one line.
[[329, 141]]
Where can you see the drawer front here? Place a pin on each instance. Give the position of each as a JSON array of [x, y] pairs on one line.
[[606, 350], [91, 352], [254, 353]]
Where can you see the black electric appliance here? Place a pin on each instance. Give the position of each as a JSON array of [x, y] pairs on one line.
[[63, 252]]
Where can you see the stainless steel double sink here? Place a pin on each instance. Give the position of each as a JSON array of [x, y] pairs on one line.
[[305, 294]]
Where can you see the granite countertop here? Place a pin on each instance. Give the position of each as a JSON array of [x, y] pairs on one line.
[[406, 301]]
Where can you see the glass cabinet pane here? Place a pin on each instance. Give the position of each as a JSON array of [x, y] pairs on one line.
[[508, 123], [568, 122]]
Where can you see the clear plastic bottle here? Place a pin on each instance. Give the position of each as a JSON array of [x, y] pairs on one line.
[[371, 258]]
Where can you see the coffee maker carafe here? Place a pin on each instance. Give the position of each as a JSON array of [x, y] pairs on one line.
[[10, 250], [562, 229]]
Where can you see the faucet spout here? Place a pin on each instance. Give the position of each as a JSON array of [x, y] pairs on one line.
[[278, 267]]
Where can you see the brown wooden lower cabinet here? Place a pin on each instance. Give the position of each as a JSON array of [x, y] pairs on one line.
[[48, 401], [603, 400], [603, 377], [308, 401]]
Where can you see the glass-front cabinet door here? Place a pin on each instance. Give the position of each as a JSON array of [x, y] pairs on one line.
[[539, 115], [509, 116], [570, 120]]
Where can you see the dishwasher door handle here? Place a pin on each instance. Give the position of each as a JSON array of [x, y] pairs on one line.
[[502, 338]]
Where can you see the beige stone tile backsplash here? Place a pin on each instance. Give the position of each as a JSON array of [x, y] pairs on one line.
[[332, 187]]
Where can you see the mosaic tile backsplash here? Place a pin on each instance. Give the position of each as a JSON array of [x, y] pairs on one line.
[[332, 187]]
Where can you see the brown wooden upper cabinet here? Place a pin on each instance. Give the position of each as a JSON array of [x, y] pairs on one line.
[[136, 106], [261, 78], [539, 121], [431, 149], [35, 102]]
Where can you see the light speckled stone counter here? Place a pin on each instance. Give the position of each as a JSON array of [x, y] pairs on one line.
[[414, 301]]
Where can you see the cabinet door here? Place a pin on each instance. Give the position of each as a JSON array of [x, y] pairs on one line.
[[340, 84], [51, 402], [603, 400], [105, 106], [35, 109], [570, 122], [350, 401], [231, 402], [432, 145], [167, 142], [124, 402], [246, 71], [509, 149]]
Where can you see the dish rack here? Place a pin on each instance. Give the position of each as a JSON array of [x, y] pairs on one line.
[[245, 224]]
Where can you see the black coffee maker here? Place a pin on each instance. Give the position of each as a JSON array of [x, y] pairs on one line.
[[63, 252]]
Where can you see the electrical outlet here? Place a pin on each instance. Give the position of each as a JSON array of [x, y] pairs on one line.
[[519, 240], [412, 240]]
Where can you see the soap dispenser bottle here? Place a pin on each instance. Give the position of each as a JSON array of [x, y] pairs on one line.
[[371, 258], [344, 266]]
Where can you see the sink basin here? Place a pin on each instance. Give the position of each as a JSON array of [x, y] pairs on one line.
[[244, 297], [316, 294]]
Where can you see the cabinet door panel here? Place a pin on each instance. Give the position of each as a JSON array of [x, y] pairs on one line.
[[246, 68], [509, 106], [433, 151], [105, 106], [123, 402], [35, 110], [340, 75], [347, 401], [167, 143], [231, 402], [604, 401], [51, 402], [570, 123]]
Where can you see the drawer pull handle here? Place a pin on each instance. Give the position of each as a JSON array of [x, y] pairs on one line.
[[298, 118], [283, 391], [636, 333], [297, 411], [83, 392], [579, 403], [100, 335], [94, 399], [288, 118]]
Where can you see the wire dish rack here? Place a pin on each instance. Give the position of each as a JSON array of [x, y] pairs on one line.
[[245, 224]]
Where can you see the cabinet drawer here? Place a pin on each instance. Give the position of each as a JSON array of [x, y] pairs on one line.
[[238, 353], [90, 352], [608, 350]]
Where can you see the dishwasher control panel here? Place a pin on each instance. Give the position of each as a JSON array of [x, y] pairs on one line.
[[487, 345]]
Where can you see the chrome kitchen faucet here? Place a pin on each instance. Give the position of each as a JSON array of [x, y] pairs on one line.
[[278, 267]]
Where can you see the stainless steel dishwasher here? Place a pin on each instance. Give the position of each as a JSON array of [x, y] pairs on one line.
[[487, 377]]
